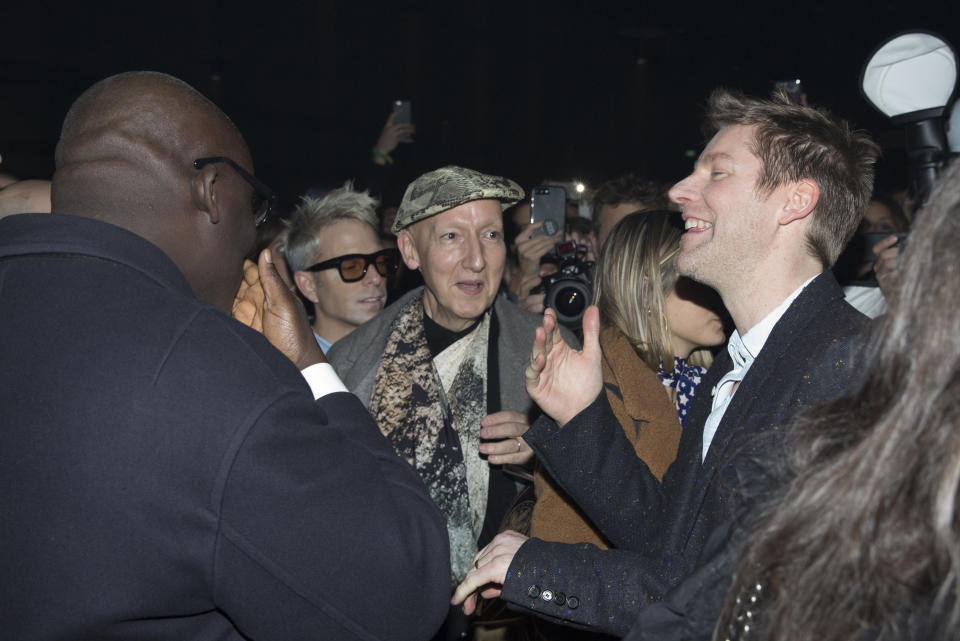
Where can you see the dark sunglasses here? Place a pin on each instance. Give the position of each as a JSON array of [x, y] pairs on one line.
[[263, 197], [353, 267]]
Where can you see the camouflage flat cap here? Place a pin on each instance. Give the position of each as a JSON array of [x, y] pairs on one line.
[[447, 187]]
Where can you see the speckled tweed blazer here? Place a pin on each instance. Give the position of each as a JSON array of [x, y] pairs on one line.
[[660, 530], [649, 421]]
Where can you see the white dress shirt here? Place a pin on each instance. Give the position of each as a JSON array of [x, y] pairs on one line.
[[743, 351], [323, 380]]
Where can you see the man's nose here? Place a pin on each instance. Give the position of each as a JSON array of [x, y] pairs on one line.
[[372, 276], [473, 258], [684, 191]]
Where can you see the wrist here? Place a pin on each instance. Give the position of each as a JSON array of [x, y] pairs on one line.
[[380, 157]]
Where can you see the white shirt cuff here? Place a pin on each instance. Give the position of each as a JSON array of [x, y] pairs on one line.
[[323, 380]]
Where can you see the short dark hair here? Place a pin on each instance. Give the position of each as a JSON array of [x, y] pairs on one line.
[[629, 188], [796, 142]]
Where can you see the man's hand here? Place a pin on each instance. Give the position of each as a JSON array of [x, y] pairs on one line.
[[248, 303], [392, 135], [265, 304], [886, 267], [560, 379], [526, 300], [489, 571], [530, 249], [508, 426]]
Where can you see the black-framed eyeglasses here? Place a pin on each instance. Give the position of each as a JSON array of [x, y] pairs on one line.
[[263, 197], [353, 267]]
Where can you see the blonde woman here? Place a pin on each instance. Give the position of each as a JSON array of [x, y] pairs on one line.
[[653, 324]]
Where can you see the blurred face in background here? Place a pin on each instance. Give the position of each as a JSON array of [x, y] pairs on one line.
[[693, 315]]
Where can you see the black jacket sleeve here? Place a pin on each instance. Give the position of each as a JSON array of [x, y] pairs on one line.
[[375, 564]]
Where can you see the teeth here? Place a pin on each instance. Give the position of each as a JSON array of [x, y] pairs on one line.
[[693, 223]]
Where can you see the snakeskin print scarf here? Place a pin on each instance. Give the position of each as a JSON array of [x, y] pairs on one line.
[[430, 410]]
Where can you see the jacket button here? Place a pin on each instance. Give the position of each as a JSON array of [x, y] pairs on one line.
[[533, 592], [573, 602], [547, 595], [559, 598]]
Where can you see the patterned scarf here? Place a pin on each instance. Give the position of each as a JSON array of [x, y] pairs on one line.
[[685, 379], [430, 410]]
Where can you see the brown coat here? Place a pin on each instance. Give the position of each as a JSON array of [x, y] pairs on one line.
[[649, 420]]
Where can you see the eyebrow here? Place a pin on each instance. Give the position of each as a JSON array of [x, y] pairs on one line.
[[714, 155]]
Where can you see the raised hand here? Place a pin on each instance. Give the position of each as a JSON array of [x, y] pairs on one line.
[[530, 249], [266, 304], [885, 268], [527, 300], [392, 135], [561, 380]]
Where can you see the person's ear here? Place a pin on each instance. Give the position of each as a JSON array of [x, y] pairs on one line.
[[307, 285], [408, 249], [203, 190], [802, 198]]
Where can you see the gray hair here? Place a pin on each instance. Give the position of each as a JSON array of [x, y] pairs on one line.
[[312, 215]]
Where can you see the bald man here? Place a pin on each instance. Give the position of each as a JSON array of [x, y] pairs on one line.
[[167, 473]]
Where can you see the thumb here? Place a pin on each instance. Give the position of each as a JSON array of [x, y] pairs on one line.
[[591, 331], [269, 276]]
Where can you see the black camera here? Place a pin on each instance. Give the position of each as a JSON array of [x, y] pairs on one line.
[[568, 290]]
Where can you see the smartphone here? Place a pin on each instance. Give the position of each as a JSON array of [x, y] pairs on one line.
[[871, 239], [549, 204], [403, 110], [794, 89]]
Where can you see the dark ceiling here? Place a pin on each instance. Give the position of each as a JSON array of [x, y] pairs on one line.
[[530, 89]]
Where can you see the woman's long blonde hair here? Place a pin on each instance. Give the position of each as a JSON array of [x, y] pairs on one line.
[[636, 269]]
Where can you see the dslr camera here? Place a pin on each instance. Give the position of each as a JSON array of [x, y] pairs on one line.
[[568, 291]]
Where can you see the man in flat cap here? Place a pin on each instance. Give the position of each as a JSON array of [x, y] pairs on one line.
[[441, 369]]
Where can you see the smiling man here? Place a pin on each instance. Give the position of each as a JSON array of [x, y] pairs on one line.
[[442, 368], [770, 204]]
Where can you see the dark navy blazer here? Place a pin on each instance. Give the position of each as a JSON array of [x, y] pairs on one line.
[[166, 474], [660, 530]]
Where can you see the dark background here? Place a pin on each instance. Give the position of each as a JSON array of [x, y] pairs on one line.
[[529, 89]]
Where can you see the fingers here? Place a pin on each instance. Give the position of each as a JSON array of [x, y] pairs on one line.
[[269, 275], [280, 262], [489, 570], [505, 429], [517, 452], [551, 328], [591, 331], [470, 605], [537, 358], [248, 303], [883, 244], [505, 424]]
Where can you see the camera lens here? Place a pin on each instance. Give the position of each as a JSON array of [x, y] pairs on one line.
[[570, 299]]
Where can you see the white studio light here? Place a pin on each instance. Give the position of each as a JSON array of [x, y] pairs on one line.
[[910, 73], [910, 78]]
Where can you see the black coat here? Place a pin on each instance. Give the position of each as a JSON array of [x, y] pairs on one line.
[[166, 473], [660, 531]]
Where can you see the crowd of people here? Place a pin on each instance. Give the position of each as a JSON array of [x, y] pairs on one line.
[[369, 421]]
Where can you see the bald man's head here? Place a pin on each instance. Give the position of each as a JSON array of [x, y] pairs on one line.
[[125, 156]]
